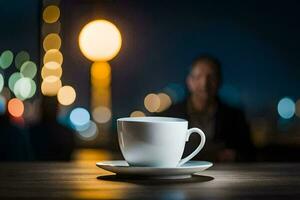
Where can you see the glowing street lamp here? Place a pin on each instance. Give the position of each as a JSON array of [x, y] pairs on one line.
[[100, 41]]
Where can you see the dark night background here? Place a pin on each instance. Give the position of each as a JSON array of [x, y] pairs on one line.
[[257, 42]]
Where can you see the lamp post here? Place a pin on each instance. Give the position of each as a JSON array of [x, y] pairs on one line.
[[100, 41]]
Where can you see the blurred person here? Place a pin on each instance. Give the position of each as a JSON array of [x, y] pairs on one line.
[[51, 140], [227, 132], [14, 141]]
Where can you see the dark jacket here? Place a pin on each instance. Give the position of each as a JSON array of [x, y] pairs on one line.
[[230, 128]]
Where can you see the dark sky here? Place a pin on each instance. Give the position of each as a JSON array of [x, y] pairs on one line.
[[257, 42], [19, 29]]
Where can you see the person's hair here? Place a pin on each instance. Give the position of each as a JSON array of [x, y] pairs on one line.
[[212, 60]]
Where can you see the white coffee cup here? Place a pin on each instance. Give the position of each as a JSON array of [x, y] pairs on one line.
[[155, 141]]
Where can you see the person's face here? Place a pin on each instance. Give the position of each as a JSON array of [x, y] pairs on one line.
[[203, 81]]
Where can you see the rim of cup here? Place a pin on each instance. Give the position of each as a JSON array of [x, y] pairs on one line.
[[152, 119]]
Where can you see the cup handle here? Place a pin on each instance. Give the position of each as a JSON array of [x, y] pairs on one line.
[[198, 149]]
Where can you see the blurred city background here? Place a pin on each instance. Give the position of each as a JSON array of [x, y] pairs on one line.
[[44, 60]]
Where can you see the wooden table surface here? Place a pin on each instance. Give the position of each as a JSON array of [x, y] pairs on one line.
[[83, 180]]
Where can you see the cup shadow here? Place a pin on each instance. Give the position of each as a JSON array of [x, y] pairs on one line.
[[141, 180]]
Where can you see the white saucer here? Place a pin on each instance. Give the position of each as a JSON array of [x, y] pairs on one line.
[[121, 167]]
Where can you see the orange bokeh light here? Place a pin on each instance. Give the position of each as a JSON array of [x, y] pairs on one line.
[[15, 107]]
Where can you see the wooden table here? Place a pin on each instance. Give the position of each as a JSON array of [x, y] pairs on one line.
[[82, 180]]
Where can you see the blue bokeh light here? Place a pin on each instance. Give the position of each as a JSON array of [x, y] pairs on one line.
[[80, 119], [286, 108], [90, 133]]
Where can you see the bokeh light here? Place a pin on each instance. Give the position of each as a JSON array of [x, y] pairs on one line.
[[66, 95], [24, 88], [6, 59], [28, 69], [80, 119], [2, 104], [13, 79], [15, 107], [101, 114], [286, 108], [137, 113], [165, 102], [32, 89], [101, 96], [101, 74], [52, 41], [53, 55], [51, 85], [152, 102], [51, 69], [20, 58], [298, 108], [100, 40], [52, 65], [90, 133], [51, 14], [1, 82], [100, 70]]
